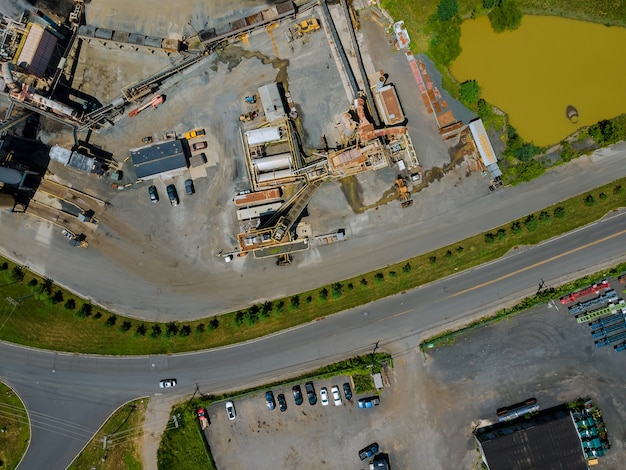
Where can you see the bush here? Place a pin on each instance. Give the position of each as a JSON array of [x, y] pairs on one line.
[[57, 297], [559, 212], [33, 282], [80, 315], [524, 172], [392, 274], [295, 301], [490, 238], [200, 328], [323, 294], [337, 290], [605, 133], [566, 153], [4, 266], [364, 282], [491, 3], [86, 309], [406, 268], [280, 307], [70, 304], [589, 200], [516, 227], [432, 259], [445, 44], [97, 315], [602, 195], [447, 9], [379, 277], [125, 326], [617, 190], [214, 323], [531, 223], [448, 254], [171, 329], [350, 286], [156, 331], [141, 330], [185, 330], [469, 93], [18, 273], [501, 234], [309, 299], [267, 308], [506, 15], [544, 216], [459, 249], [110, 322]]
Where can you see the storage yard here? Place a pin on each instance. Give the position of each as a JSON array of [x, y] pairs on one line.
[[300, 112]]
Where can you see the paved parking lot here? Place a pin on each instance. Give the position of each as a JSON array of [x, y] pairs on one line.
[[427, 415], [302, 437]]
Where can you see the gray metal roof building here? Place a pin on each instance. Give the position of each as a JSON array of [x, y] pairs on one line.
[[158, 158], [546, 441]]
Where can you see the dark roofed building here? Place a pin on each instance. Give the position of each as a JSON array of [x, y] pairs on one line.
[[159, 158], [547, 440]]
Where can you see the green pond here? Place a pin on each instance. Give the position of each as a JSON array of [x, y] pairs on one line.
[[535, 72]]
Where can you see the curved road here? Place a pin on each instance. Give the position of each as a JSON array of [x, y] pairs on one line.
[[68, 396]]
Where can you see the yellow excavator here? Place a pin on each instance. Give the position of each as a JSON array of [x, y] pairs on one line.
[[307, 26]]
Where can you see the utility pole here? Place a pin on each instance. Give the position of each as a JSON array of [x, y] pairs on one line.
[[374, 353]]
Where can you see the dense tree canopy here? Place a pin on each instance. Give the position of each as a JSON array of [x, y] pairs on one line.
[[506, 15], [447, 9], [470, 92]]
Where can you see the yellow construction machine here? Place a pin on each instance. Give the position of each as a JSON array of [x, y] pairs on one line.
[[307, 26]]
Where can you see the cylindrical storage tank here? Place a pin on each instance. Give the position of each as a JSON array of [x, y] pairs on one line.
[[10, 176], [117, 102], [275, 162], [274, 175], [263, 135]]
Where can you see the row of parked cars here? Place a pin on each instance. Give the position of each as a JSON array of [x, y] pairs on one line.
[[172, 194], [298, 398]]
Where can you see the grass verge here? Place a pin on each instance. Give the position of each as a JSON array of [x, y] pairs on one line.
[[184, 446], [123, 431], [14, 429], [30, 315]]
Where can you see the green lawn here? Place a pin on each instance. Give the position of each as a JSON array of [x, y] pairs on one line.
[[14, 429], [123, 430]]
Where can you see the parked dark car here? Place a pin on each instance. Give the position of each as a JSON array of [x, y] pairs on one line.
[[369, 451], [310, 393], [189, 187], [347, 391], [269, 399], [369, 402], [297, 394], [154, 195], [172, 194], [282, 403]]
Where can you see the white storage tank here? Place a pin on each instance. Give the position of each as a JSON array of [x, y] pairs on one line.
[[263, 135], [275, 162], [274, 175]]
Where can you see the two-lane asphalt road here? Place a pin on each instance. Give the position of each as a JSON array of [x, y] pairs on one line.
[[68, 396]]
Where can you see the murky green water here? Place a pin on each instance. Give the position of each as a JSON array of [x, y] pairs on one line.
[[535, 72]]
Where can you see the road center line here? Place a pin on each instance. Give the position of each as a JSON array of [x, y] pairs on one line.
[[396, 315], [540, 263]]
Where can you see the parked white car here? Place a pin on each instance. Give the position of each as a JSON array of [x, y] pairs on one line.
[[336, 395], [324, 396]]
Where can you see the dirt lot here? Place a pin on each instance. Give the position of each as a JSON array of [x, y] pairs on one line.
[[426, 417]]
